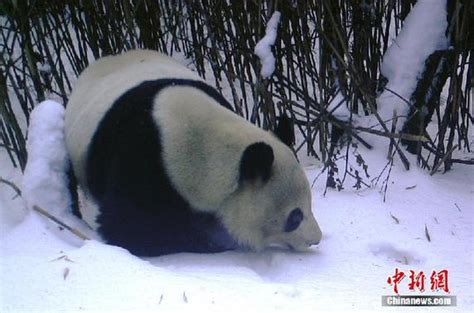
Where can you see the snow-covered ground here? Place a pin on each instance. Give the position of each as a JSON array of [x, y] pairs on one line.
[[46, 269]]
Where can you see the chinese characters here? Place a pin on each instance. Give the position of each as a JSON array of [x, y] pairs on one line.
[[416, 280]]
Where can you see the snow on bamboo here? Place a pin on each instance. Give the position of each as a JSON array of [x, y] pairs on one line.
[[263, 49], [423, 33]]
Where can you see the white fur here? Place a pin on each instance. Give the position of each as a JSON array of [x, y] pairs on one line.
[[202, 146], [88, 207], [203, 143], [100, 85]]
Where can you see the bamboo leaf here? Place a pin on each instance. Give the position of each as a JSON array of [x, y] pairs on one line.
[[427, 234]]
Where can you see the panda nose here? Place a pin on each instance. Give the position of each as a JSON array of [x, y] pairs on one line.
[[315, 241], [316, 234]]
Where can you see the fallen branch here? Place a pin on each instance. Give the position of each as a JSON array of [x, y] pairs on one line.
[[460, 161], [57, 221], [349, 127], [12, 185]]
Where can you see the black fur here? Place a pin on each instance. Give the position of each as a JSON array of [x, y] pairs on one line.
[[256, 161], [285, 130], [72, 186], [139, 209], [294, 220]]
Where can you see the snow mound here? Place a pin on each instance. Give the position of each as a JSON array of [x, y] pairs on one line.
[[45, 182]]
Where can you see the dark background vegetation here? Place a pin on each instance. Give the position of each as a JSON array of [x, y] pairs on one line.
[[323, 47]]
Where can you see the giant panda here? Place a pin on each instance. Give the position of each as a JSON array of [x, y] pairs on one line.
[[165, 166]]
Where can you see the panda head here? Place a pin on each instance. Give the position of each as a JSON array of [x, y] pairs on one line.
[[272, 205]]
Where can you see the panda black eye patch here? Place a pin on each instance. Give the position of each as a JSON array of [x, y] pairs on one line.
[[293, 220]]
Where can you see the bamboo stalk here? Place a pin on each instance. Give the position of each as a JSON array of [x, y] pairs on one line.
[[59, 222]]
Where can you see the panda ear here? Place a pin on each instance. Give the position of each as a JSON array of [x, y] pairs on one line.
[[256, 161], [284, 130]]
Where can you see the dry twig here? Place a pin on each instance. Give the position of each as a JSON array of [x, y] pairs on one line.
[[57, 221]]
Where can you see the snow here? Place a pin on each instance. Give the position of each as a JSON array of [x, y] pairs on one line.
[[361, 247], [263, 49], [45, 183], [45, 68], [338, 108], [12, 210], [423, 33]]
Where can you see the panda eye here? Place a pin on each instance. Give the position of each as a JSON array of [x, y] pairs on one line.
[[293, 220]]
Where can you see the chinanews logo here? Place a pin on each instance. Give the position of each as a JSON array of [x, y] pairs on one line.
[[417, 282]]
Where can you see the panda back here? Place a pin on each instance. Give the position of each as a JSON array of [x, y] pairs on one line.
[[100, 86]]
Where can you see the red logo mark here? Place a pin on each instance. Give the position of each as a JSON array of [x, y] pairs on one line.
[[417, 281], [396, 279], [438, 280]]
